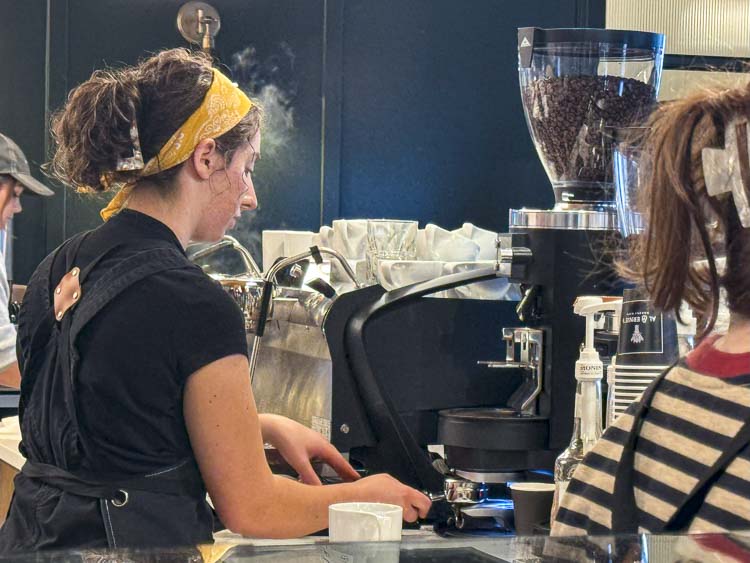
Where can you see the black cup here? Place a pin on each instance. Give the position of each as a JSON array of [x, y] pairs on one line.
[[532, 504], [648, 337]]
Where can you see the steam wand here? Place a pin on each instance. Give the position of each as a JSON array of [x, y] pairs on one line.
[[229, 241]]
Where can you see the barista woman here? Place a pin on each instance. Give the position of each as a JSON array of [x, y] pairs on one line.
[[679, 459], [135, 394]]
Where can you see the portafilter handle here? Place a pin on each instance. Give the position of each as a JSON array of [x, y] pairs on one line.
[[460, 491]]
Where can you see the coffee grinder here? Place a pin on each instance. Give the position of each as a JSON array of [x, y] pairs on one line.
[[577, 85]]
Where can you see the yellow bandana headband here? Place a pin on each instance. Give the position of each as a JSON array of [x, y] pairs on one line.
[[223, 107]]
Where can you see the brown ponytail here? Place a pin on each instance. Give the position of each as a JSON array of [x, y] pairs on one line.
[[92, 131], [678, 212]]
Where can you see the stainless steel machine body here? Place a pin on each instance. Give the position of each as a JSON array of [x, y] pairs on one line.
[[292, 374]]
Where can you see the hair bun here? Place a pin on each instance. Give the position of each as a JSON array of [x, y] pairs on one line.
[[93, 132]]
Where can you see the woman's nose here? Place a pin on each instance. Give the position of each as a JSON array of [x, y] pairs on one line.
[[249, 201]]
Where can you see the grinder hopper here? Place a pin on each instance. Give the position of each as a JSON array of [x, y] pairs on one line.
[[575, 85]]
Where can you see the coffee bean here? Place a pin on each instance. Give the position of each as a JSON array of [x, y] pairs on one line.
[[568, 116]]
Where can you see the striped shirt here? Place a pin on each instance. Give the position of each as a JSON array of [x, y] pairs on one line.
[[692, 418]]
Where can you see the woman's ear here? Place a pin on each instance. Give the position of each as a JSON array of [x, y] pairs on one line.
[[206, 159]]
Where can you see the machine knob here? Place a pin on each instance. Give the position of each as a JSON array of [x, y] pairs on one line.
[[515, 255]]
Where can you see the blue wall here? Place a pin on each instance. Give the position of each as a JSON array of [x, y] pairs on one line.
[[422, 116], [432, 125]]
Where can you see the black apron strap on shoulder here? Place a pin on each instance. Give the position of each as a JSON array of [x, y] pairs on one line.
[[86, 270], [72, 248], [46, 269], [122, 276], [40, 285], [624, 508]]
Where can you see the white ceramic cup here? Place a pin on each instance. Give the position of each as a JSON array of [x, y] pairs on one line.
[[364, 522]]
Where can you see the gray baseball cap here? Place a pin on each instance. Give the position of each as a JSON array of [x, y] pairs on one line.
[[14, 163]]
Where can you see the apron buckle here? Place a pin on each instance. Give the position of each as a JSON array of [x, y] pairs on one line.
[[121, 499]]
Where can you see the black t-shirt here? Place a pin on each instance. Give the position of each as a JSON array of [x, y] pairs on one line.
[[137, 353]]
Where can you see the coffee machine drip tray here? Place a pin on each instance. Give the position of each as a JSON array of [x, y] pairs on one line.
[[491, 440]]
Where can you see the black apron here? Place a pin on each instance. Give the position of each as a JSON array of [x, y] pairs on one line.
[[624, 507], [164, 508]]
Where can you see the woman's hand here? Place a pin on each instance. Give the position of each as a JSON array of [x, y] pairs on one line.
[[384, 488], [298, 444]]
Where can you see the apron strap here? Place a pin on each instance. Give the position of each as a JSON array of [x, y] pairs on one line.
[[181, 479], [69, 249], [41, 331], [94, 298], [72, 248], [126, 273], [132, 269]]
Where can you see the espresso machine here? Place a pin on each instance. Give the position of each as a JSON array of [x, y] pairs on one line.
[[458, 397]]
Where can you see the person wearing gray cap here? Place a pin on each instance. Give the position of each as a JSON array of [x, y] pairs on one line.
[[15, 179]]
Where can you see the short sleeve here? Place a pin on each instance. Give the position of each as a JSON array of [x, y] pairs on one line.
[[211, 325]]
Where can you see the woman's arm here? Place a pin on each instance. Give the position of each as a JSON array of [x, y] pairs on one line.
[[226, 438], [11, 376]]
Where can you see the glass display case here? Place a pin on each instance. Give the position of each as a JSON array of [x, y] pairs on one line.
[[434, 549]]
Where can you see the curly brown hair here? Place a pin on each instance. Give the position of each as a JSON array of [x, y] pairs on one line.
[[92, 131], [676, 256]]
